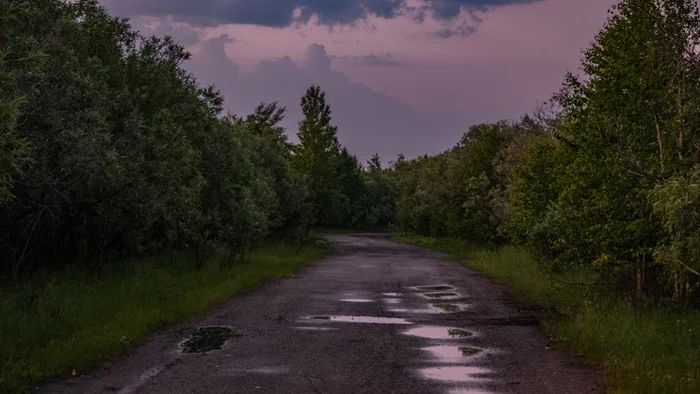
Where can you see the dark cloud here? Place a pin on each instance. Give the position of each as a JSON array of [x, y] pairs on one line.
[[282, 13], [464, 29], [368, 121]]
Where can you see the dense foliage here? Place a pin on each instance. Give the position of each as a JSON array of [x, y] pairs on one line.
[[110, 149], [608, 182]]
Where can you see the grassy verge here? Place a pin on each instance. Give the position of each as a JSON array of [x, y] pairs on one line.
[[652, 350], [77, 320]]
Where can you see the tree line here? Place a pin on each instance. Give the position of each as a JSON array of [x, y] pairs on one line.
[[110, 149], [603, 178]]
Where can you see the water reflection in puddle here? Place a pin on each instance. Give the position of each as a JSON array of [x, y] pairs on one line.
[[432, 332], [452, 353], [470, 391], [391, 294], [413, 311], [206, 339], [449, 308], [456, 374], [391, 301], [356, 300], [315, 328], [363, 319]]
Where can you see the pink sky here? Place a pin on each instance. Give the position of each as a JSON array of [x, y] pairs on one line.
[[425, 91]]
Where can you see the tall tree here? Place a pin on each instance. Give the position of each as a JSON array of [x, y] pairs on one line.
[[374, 164], [318, 156]]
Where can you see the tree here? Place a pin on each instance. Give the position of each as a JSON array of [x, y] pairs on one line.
[[318, 156], [374, 164]]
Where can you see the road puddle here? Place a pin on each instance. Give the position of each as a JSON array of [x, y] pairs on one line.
[[413, 311], [207, 339], [391, 294], [450, 308], [362, 319], [433, 332], [435, 288], [452, 353], [443, 295], [357, 300], [470, 391], [391, 301], [457, 374], [305, 328]]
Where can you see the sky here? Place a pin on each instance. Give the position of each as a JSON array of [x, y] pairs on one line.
[[401, 76]]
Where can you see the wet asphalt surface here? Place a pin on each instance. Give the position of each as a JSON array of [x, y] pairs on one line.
[[357, 322]]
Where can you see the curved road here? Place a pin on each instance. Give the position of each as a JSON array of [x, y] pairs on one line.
[[358, 322]]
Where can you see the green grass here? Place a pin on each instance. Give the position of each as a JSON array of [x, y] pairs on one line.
[[78, 320], [649, 350]]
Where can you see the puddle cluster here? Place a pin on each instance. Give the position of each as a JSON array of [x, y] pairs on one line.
[[362, 319], [207, 339]]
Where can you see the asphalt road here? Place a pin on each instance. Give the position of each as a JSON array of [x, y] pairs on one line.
[[358, 322]]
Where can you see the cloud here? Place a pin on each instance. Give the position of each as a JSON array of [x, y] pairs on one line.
[[368, 121], [372, 59], [283, 13], [462, 30]]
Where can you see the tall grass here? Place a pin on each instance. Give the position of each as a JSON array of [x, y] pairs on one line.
[[655, 349], [77, 319]]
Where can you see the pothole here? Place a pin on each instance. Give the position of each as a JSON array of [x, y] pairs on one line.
[[362, 319], [435, 288], [433, 332], [207, 339]]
